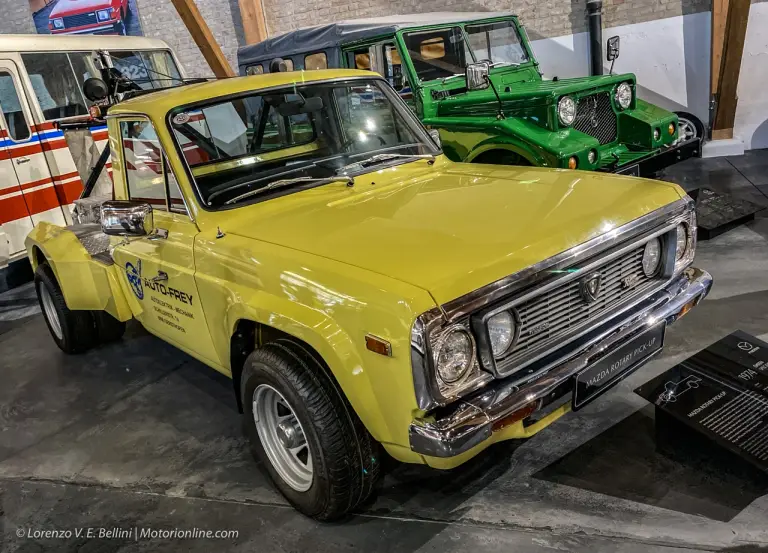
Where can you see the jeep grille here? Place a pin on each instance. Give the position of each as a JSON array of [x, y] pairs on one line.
[[595, 117]]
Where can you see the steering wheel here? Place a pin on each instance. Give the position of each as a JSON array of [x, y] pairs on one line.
[[351, 141]]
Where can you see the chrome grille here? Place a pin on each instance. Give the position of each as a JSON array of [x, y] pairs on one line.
[[79, 20], [561, 311], [595, 117]]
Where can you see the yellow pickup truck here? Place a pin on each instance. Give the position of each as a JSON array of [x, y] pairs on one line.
[[303, 234]]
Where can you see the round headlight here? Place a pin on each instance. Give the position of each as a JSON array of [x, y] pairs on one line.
[[682, 242], [566, 110], [592, 156], [652, 257], [501, 330], [455, 355], [624, 95]]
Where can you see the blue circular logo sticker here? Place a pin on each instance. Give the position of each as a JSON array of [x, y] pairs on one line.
[[134, 279]]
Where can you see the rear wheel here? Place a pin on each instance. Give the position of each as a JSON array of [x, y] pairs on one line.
[[315, 448], [73, 331]]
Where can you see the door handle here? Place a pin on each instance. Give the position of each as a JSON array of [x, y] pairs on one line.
[[22, 160], [161, 276]]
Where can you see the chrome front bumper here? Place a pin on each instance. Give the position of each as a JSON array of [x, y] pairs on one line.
[[470, 421]]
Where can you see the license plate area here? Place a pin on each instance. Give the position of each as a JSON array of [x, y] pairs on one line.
[[632, 170], [618, 364]]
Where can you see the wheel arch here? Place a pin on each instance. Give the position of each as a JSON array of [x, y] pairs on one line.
[[488, 148], [333, 350]]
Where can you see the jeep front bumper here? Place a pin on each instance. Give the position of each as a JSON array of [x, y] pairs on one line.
[[468, 423], [650, 165]]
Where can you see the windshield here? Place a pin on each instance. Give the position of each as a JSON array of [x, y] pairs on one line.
[[498, 43], [300, 133], [442, 53]]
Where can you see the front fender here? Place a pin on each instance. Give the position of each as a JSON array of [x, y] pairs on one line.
[[326, 304], [87, 284]]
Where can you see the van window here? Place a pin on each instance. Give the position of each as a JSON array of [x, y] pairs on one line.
[[12, 110], [317, 60], [148, 69], [437, 53], [57, 79]]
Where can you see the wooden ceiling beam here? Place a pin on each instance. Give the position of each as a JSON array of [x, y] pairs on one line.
[[204, 38]]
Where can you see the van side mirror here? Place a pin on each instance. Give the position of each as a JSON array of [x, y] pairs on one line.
[[95, 89], [612, 50], [127, 218], [477, 75]]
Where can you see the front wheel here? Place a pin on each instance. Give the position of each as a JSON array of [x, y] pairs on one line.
[[300, 426], [689, 126]]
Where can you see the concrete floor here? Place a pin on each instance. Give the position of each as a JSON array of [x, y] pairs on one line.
[[138, 435]]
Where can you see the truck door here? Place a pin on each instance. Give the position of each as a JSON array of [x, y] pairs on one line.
[[160, 271], [27, 193]]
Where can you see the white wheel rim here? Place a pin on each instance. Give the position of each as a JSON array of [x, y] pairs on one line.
[[51, 315], [282, 437], [686, 129]]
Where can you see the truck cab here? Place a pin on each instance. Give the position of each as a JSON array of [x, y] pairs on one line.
[[509, 114]]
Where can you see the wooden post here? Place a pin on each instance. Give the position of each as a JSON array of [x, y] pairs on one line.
[[730, 67], [203, 37], [719, 18], [254, 25]]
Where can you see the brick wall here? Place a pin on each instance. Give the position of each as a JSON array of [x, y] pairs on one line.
[[16, 17], [159, 19], [543, 18]]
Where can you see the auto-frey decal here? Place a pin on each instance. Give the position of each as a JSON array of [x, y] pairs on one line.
[[133, 273]]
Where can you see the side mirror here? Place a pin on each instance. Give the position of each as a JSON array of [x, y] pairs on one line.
[[127, 218], [612, 50], [477, 75], [95, 89]]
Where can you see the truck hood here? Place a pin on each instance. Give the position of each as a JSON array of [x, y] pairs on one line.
[[524, 94], [451, 228]]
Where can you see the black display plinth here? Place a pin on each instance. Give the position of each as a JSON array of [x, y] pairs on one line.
[[717, 213], [720, 393]]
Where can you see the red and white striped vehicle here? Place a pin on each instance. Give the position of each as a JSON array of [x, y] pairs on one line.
[[45, 155]]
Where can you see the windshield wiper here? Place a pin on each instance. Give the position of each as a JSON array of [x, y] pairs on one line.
[[287, 182], [378, 158], [449, 77], [504, 64]]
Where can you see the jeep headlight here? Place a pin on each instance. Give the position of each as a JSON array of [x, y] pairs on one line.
[[566, 110], [454, 354], [501, 331], [623, 95]]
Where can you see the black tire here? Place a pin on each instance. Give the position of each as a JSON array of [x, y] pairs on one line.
[[108, 329], [345, 457], [77, 328], [696, 123]]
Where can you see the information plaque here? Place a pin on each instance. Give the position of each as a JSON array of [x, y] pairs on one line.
[[718, 213], [722, 393]]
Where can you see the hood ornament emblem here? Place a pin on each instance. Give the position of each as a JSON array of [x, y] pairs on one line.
[[589, 287]]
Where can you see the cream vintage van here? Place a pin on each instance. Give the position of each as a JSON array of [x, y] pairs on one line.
[[48, 141]]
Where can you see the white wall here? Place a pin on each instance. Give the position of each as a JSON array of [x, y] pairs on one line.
[[752, 111], [671, 60]]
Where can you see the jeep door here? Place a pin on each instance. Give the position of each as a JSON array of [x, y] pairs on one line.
[[159, 270]]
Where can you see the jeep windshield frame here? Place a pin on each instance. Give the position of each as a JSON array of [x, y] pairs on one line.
[[439, 60], [308, 132]]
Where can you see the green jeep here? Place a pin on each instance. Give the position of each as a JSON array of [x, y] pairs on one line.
[[473, 77]]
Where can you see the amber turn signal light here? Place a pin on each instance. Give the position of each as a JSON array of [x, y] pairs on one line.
[[573, 162], [95, 111], [378, 345], [671, 129]]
